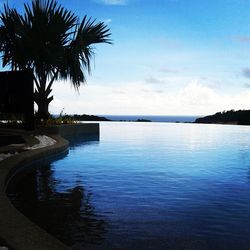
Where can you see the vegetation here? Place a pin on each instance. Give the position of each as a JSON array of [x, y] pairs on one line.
[[143, 120], [53, 42], [241, 117], [71, 119], [86, 118]]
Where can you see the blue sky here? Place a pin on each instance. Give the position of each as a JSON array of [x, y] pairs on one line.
[[169, 57]]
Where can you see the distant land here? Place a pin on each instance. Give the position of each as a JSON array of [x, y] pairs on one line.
[[132, 118], [240, 117], [153, 118], [85, 117]]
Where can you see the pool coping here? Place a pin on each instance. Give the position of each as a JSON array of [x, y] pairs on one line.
[[15, 228]]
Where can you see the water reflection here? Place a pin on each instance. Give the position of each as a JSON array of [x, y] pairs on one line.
[[84, 140], [65, 212]]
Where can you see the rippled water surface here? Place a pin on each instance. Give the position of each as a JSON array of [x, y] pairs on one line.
[[145, 186]]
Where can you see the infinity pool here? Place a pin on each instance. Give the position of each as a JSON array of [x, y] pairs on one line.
[[145, 186]]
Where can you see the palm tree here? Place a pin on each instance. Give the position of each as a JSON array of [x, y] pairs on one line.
[[53, 42]]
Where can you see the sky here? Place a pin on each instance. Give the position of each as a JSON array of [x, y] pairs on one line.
[[169, 57]]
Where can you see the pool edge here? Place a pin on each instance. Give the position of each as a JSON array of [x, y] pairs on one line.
[[15, 228]]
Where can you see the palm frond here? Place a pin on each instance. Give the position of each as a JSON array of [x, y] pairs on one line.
[[49, 39], [91, 32]]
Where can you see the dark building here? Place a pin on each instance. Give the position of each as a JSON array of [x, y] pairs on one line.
[[16, 95]]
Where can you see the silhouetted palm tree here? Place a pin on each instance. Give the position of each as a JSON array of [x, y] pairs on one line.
[[52, 41]]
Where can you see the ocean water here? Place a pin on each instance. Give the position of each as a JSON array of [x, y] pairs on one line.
[[153, 118], [145, 186]]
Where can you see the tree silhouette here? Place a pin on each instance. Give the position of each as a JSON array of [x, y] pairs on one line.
[[53, 42]]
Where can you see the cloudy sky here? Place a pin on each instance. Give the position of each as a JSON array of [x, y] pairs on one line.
[[169, 57]]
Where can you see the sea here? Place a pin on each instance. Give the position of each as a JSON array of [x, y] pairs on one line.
[[153, 118]]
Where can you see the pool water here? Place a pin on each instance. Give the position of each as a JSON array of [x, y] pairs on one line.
[[145, 186]]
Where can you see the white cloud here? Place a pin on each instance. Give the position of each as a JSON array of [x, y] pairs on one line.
[[153, 80], [112, 2], [107, 20], [192, 98], [203, 99], [197, 94]]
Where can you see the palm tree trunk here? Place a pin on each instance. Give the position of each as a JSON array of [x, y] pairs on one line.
[[42, 101], [41, 97]]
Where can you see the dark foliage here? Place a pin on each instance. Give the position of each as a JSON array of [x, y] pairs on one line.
[[86, 118], [143, 120], [241, 117]]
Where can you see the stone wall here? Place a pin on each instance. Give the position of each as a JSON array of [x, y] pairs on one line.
[[72, 130]]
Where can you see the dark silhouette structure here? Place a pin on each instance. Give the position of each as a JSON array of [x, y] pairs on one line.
[[16, 95]]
